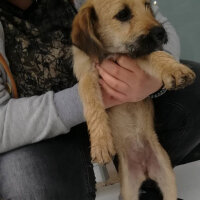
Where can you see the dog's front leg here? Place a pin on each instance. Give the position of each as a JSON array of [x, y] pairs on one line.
[[102, 147], [97, 120], [163, 66]]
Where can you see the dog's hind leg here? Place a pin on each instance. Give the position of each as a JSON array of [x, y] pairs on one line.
[[146, 162], [160, 170], [141, 157], [130, 180]]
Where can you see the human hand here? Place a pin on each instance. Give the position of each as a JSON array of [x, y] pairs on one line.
[[124, 81]]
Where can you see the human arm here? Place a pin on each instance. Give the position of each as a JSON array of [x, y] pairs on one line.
[[134, 84], [173, 44], [78, 3], [27, 120], [125, 81]]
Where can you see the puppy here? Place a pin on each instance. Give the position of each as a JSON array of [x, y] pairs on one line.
[[104, 28]]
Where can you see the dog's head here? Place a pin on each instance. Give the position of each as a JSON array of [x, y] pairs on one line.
[[117, 26]]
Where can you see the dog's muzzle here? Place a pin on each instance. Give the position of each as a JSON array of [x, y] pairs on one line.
[[149, 43]]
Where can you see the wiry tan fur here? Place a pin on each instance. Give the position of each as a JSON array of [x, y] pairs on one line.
[[127, 128]]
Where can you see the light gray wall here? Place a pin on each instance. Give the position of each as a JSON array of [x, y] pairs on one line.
[[185, 17]]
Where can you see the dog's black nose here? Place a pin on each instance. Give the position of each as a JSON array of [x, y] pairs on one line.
[[159, 34]]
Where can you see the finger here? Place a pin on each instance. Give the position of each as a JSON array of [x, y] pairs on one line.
[[117, 71], [129, 64], [112, 92], [113, 82], [108, 100]]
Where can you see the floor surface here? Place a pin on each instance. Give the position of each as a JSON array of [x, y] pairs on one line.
[[188, 182]]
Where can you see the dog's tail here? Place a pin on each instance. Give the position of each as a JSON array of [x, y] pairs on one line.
[[148, 163], [150, 190]]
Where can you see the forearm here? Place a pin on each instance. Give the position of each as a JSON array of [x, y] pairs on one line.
[[69, 107], [28, 120]]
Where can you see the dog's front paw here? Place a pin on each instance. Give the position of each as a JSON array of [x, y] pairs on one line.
[[102, 149], [177, 77]]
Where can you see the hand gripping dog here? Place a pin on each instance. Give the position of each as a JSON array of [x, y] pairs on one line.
[[104, 28]]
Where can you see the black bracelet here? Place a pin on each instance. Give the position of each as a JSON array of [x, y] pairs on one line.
[[158, 93]]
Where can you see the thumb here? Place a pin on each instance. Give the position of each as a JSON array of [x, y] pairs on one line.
[[128, 63]]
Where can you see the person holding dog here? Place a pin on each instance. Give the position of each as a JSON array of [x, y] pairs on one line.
[[38, 160]]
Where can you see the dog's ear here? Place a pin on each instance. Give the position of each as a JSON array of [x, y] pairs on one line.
[[84, 34]]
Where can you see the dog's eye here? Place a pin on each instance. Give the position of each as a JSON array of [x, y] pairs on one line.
[[147, 5], [124, 15]]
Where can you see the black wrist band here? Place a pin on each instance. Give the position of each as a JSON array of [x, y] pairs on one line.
[[158, 93]]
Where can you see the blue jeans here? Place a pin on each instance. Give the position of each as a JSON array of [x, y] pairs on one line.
[[60, 168]]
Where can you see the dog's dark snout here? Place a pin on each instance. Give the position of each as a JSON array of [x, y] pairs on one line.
[[159, 34]]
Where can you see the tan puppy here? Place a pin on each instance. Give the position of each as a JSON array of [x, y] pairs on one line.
[[109, 27]]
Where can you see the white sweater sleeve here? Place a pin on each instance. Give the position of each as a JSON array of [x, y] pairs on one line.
[[28, 120]]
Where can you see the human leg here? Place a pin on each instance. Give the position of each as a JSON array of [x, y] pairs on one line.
[[55, 169], [177, 119]]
